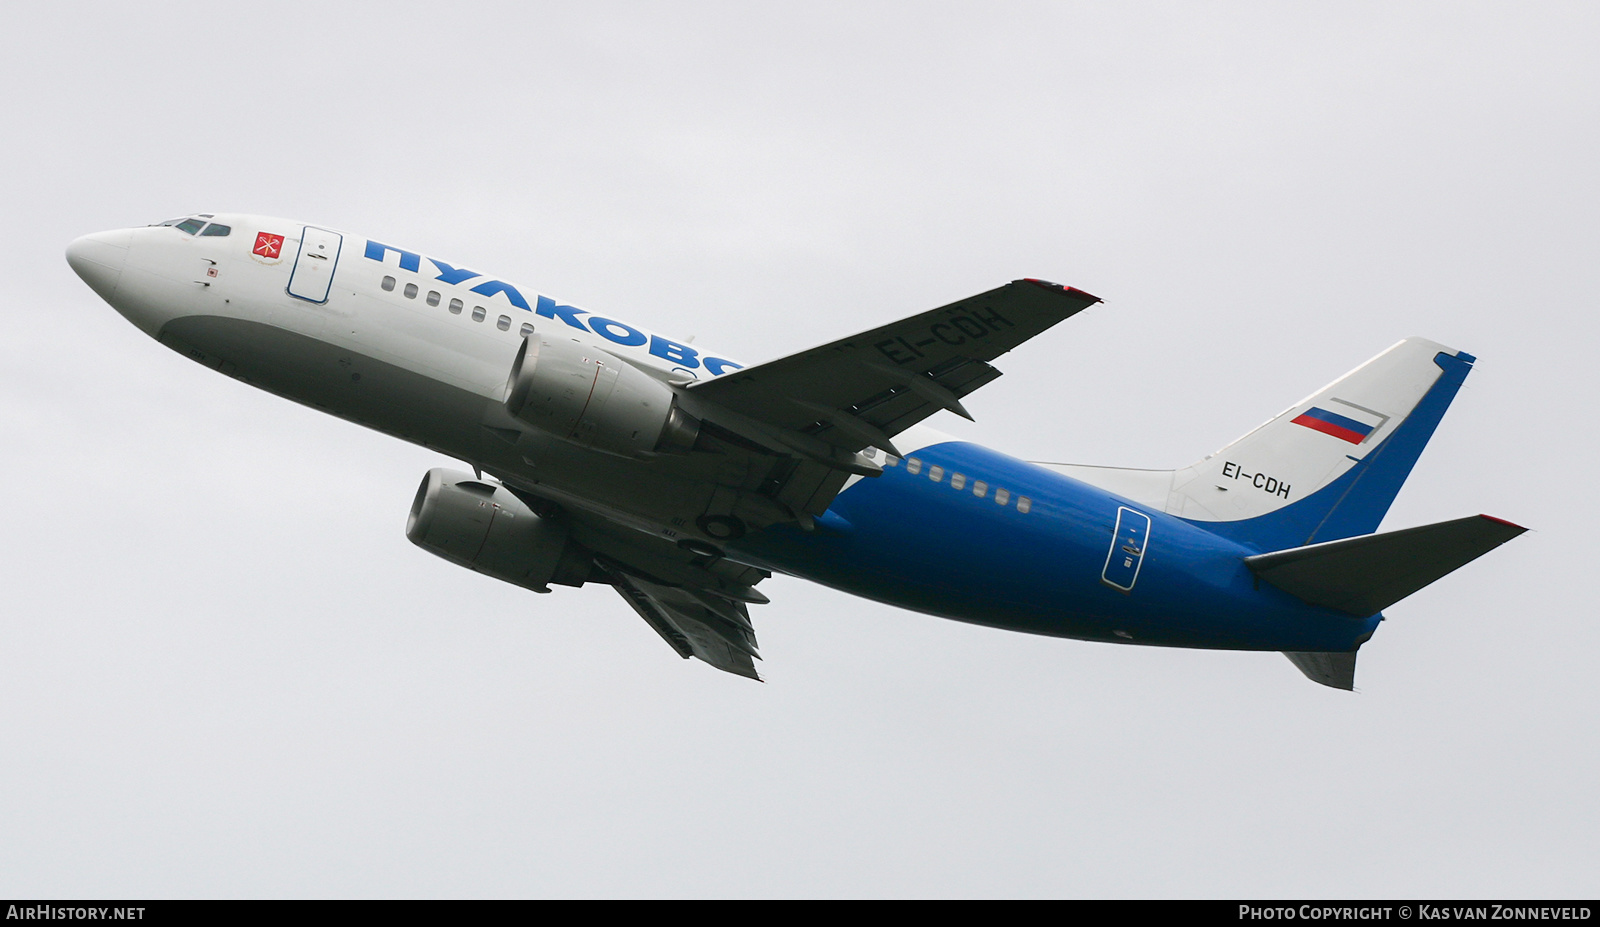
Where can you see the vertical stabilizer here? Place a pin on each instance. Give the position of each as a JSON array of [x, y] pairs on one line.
[[1330, 465]]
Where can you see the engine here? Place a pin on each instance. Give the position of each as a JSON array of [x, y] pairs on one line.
[[483, 526], [586, 396]]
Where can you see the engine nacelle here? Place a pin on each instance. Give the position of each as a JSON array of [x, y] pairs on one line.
[[483, 526], [586, 396]]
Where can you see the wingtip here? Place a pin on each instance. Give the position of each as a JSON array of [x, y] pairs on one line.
[[1502, 521], [1069, 290]]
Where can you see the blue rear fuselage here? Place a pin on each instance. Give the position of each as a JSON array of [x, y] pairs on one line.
[[908, 540]]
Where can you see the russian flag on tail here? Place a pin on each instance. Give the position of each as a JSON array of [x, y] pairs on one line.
[[1332, 423]]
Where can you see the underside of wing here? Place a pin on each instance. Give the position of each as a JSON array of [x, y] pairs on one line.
[[692, 622], [697, 602]]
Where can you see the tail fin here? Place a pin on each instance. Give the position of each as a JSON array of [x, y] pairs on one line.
[[1327, 468], [1331, 464]]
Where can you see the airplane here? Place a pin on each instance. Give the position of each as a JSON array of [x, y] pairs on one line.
[[602, 452]]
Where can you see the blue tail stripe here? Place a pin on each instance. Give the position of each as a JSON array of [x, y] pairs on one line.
[[1356, 502]]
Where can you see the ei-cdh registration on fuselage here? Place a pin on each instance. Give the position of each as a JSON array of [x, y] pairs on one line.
[[682, 478]]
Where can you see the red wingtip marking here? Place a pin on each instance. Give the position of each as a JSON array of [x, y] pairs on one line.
[[1071, 290], [1502, 521]]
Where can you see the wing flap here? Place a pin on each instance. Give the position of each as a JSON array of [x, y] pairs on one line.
[[693, 623]]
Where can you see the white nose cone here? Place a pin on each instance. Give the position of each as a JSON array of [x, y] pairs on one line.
[[99, 259]]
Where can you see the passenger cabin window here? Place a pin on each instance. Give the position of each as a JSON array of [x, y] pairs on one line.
[[889, 460], [527, 329], [936, 473], [411, 291], [503, 323], [387, 284], [433, 297], [455, 307], [1024, 504], [980, 488], [1002, 496], [216, 230], [958, 480], [913, 465], [478, 313]]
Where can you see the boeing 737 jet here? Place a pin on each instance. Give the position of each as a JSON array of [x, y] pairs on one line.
[[602, 452]]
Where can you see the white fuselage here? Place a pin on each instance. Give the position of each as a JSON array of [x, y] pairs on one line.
[[407, 344]]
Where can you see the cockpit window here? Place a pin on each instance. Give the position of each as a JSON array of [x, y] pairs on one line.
[[216, 230], [192, 224]]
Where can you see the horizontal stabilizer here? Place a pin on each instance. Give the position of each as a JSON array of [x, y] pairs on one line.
[[1364, 575], [1334, 670]]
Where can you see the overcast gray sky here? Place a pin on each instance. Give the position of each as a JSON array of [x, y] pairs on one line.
[[224, 671]]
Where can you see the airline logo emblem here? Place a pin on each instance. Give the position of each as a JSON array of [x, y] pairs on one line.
[[268, 245], [1332, 423]]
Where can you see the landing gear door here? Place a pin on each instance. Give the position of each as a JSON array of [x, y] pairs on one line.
[[313, 266]]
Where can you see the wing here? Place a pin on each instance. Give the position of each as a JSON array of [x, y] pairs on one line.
[[861, 391], [696, 602], [693, 622], [780, 439]]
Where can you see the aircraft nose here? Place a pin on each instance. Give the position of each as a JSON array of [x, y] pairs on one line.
[[99, 259]]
